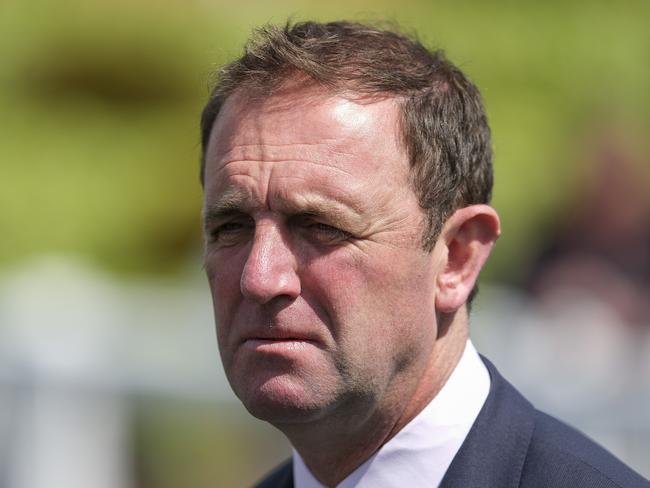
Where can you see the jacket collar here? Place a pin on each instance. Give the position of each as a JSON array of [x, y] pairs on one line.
[[494, 451]]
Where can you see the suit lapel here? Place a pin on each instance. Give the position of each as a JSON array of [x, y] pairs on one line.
[[494, 451], [281, 477]]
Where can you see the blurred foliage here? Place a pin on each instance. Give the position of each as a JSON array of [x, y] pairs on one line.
[[99, 106]]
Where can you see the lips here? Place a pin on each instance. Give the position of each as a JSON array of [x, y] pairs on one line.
[[278, 323], [285, 347], [280, 335]]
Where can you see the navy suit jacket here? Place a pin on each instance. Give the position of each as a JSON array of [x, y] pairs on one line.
[[511, 444]]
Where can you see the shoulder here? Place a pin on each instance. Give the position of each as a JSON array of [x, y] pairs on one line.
[[511, 444], [561, 456], [280, 477]]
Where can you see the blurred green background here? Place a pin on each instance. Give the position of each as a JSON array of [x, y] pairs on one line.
[[100, 101], [99, 108]]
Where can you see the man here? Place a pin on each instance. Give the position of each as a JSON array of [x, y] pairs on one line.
[[347, 175]]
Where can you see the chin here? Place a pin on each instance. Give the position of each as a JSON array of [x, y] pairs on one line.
[[283, 400]]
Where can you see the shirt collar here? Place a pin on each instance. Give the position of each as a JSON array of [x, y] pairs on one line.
[[420, 453]]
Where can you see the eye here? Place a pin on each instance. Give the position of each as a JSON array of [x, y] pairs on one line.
[[229, 233], [320, 232]]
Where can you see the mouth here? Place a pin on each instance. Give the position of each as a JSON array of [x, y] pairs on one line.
[[279, 339], [278, 344], [279, 334]]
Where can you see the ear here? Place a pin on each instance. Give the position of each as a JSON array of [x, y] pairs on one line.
[[466, 241]]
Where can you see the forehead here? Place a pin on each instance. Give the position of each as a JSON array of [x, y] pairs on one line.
[[299, 123]]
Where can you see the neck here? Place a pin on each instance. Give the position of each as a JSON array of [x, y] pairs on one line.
[[333, 448]]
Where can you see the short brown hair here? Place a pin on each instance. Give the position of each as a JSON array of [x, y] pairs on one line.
[[443, 123]]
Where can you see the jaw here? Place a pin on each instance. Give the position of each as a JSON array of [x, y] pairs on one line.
[[343, 441], [276, 382]]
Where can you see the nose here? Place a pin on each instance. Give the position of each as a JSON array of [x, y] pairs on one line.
[[271, 267]]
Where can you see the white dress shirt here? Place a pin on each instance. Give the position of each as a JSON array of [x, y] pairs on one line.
[[420, 453]]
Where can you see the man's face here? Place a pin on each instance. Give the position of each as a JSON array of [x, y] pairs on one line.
[[323, 295]]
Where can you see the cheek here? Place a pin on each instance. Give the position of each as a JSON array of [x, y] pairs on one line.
[[376, 280], [224, 275], [377, 302]]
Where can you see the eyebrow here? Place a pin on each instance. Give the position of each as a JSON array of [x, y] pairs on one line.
[[334, 211], [229, 202], [234, 201]]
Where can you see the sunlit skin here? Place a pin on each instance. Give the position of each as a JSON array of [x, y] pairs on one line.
[[327, 306]]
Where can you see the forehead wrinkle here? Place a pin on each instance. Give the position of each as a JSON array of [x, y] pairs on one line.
[[266, 174], [264, 149], [299, 153]]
